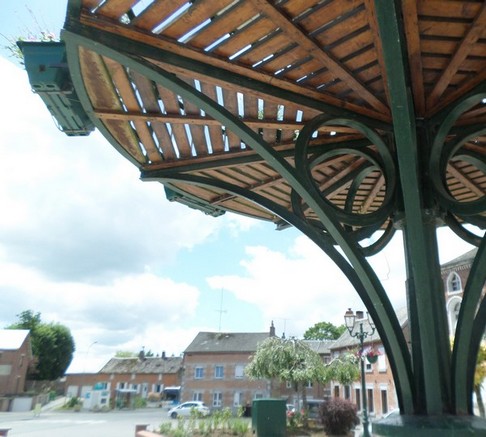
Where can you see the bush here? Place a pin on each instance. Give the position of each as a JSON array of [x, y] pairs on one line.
[[338, 416]]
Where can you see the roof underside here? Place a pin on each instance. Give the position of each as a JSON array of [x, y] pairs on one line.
[[273, 66]]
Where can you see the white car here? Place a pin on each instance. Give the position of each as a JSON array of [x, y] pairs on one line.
[[186, 408]]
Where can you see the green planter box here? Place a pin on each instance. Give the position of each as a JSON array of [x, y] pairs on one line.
[[49, 77], [268, 417]]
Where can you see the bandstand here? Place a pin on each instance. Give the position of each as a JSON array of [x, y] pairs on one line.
[[347, 119]]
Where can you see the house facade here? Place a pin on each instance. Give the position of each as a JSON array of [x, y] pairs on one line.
[[380, 387], [122, 380], [15, 358], [214, 371]]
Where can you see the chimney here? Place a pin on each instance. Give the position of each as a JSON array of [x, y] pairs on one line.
[[359, 315], [163, 355], [141, 355], [272, 330]]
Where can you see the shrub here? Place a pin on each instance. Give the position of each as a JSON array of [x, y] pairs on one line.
[[338, 416]]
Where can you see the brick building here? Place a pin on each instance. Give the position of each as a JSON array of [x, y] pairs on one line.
[[128, 378], [15, 358], [380, 387], [214, 366]]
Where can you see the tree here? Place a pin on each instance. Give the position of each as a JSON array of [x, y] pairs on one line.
[[52, 345], [324, 331], [289, 360]]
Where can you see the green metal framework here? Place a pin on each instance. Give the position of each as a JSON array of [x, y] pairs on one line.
[[411, 153]]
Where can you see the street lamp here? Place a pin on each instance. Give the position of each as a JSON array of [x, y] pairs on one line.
[[349, 320]]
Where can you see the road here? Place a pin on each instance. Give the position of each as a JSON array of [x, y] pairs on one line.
[[58, 423]]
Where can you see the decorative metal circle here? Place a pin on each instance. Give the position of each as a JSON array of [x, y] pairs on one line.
[[373, 159], [455, 160]]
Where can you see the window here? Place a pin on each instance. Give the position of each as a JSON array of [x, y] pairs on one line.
[[453, 308], [357, 393], [454, 283], [371, 406], [199, 373], [288, 385], [384, 402], [237, 398], [121, 385], [239, 371], [310, 384], [217, 399], [197, 396], [347, 392], [218, 372], [382, 360], [336, 391]]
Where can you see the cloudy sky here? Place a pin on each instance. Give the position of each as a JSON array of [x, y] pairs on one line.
[[87, 244]]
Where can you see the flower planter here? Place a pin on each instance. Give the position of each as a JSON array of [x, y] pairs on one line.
[[372, 359]]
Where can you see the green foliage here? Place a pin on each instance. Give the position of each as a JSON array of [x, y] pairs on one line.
[[289, 360], [344, 369], [221, 423], [52, 345], [73, 402], [139, 402], [338, 416], [324, 331], [125, 354]]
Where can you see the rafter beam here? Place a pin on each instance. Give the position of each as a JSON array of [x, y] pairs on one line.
[[462, 52], [411, 28], [202, 64], [313, 49]]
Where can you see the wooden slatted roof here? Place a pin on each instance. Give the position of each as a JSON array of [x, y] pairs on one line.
[[274, 66]]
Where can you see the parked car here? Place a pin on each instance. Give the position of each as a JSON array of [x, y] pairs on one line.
[[186, 408]]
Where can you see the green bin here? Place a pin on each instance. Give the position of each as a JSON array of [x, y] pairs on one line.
[[268, 417]]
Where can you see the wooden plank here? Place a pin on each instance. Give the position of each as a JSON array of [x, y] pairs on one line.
[[465, 181], [327, 14], [251, 33], [195, 15], [157, 13], [102, 95], [377, 51], [115, 9], [147, 92], [197, 132], [171, 106], [411, 25], [215, 132], [473, 34], [315, 50], [448, 9], [231, 104], [122, 83], [208, 58], [270, 111], [226, 23]]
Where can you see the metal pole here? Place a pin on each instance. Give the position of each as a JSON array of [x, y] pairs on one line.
[[361, 337]]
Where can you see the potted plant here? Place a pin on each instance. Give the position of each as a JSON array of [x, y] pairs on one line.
[[371, 355]]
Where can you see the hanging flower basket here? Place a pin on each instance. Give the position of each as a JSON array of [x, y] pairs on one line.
[[371, 355], [372, 358]]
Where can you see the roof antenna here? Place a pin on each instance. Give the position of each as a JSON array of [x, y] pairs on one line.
[[220, 311]]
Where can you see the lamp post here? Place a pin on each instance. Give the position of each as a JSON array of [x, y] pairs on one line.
[[350, 319]]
